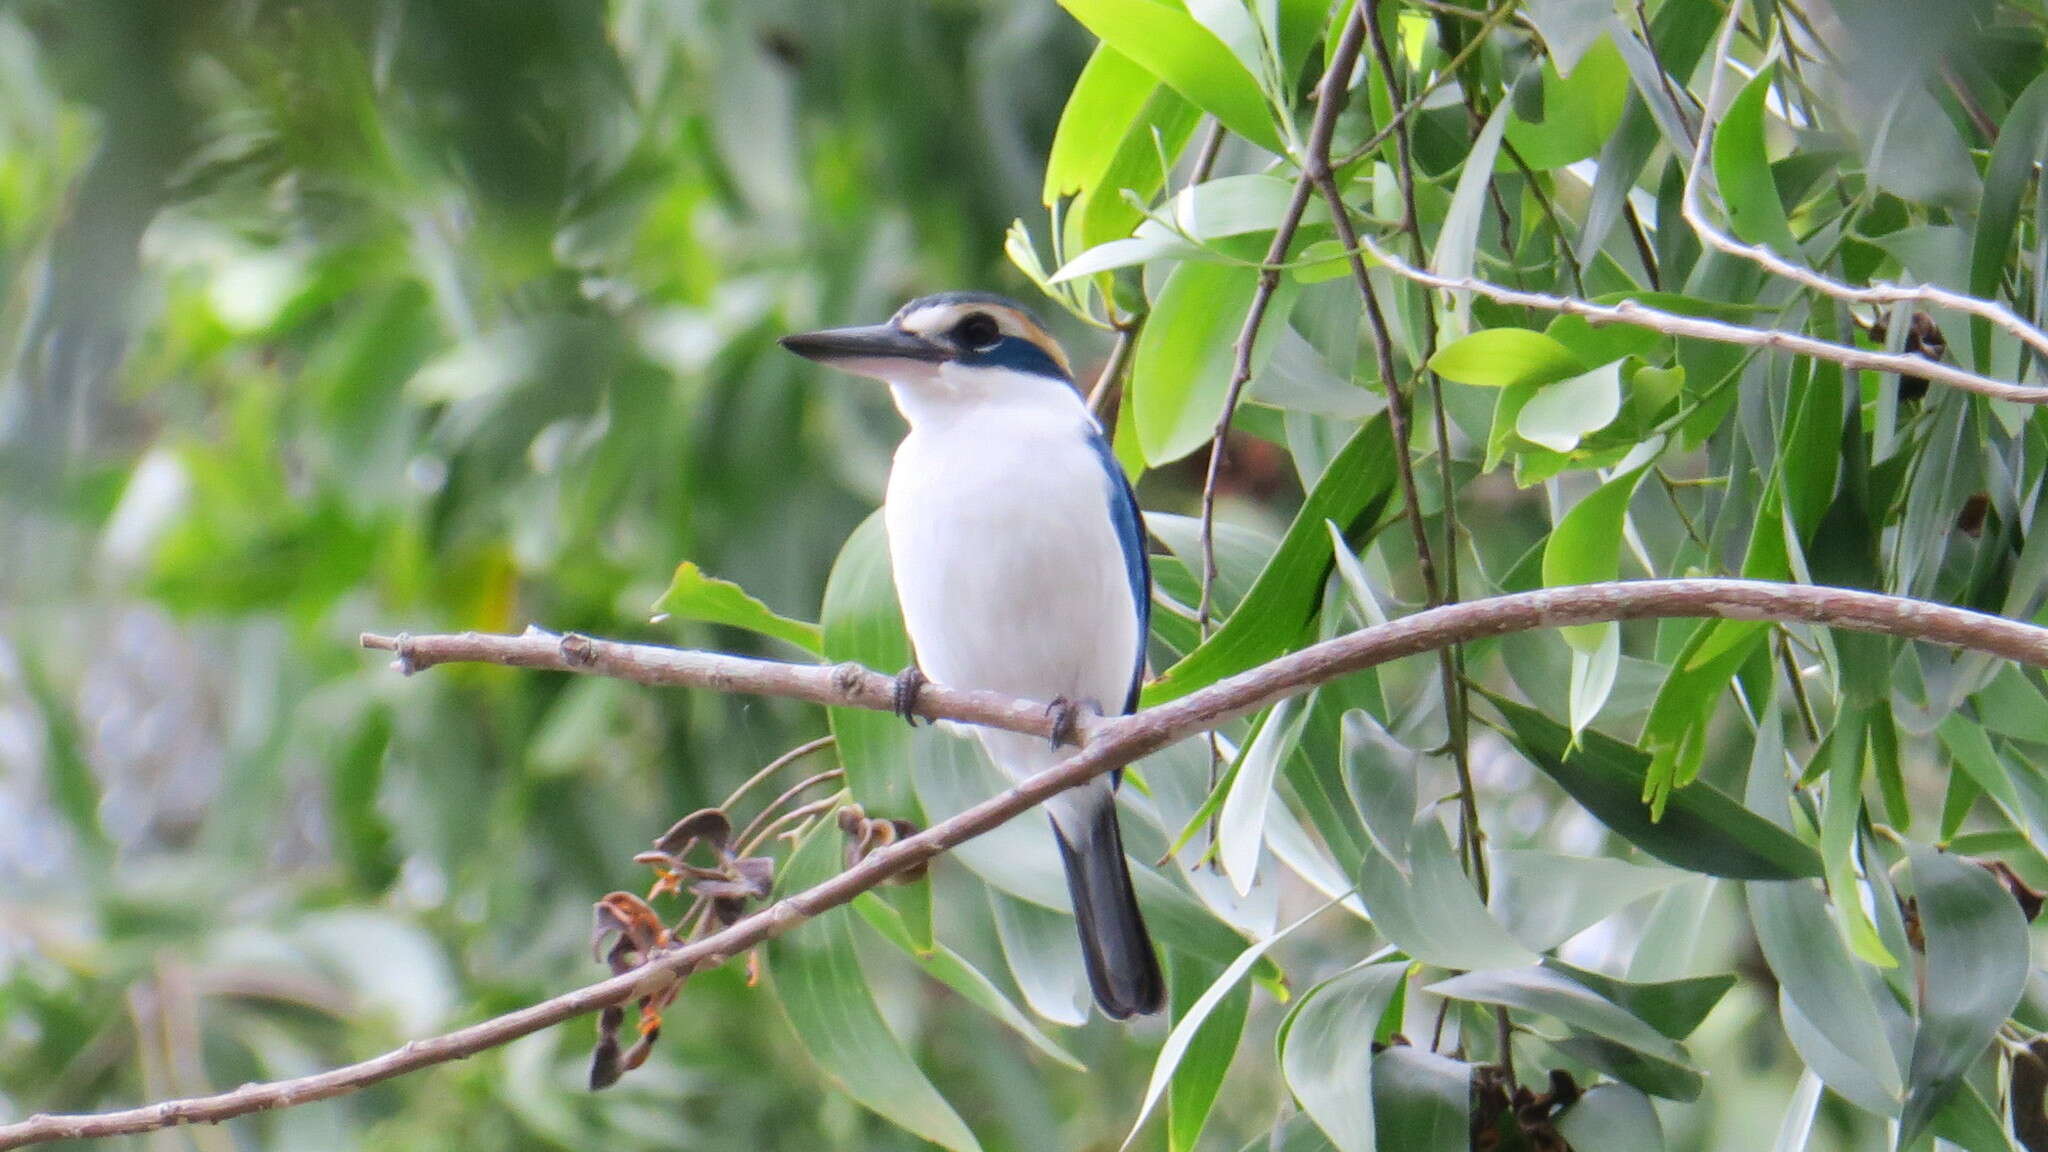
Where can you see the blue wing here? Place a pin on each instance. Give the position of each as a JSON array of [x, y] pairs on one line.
[[1130, 533]]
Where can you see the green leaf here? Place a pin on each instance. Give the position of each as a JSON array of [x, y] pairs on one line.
[[1326, 1049], [1379, 776], [1585, 547], [1973, 753], [1505, 358], [1185, 1029], [1612, 1118], [1180, 370], [1560, 415], [1673, 1007], [1430, 910], [1702, 829], [1569, 27], [1355, 491], [1457, 242], [1743, 172], [1552, 993], [951, 969], [2022, 143], [74, 787], [1977, 962], [1813, 966], [1546, 898], [692, 595], [1420, 1101], [863, 623], [1171, 45], [1107, 97], [1579, 112], [1241, 828], [1200, 1075], [1044, 957], [1841, 816], [819, 982]]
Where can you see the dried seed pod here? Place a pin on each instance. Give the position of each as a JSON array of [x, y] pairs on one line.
[[710, 825]]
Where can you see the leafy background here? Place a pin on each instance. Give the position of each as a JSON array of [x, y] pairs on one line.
[[433, 315]]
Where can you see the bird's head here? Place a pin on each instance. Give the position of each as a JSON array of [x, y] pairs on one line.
[[956, 347]]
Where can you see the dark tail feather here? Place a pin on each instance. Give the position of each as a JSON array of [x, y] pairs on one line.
[[1122, 968]]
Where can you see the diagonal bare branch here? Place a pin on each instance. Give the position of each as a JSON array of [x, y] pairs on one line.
[[1880, 294], [1111, 744]]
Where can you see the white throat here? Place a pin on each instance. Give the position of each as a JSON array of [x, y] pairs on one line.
[[948, 393]]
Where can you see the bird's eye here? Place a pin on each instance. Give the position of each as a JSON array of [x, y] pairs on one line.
[[978, 332]]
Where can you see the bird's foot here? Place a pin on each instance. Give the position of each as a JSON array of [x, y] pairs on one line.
[[903, 701], [1066, 719]]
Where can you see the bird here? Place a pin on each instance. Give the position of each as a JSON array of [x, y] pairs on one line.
[[1018, 551]]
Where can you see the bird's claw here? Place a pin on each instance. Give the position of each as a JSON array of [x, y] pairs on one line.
[[903, 700], [1066, 719]]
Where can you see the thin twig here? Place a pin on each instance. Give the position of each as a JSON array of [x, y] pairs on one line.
[[776, 765], [1640, 315], [1880, 294], [1329, 101], [1113, 743], [1113, 368]]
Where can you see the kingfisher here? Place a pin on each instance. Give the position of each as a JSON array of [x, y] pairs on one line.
[[1019, 556]]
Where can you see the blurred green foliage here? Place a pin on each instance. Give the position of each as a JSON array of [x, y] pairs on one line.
[[327, 317]]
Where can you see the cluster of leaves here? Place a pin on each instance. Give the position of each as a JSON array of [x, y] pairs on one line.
[[463, 317], [1825, 808]]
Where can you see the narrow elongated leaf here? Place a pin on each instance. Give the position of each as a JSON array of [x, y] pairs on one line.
[[1355, 491], [1813, 966], [2022, 143], [1107, 97], [819, 982], [953, 970], [1171, 45], [1200, 1075], [1673, 1007], [1180, 370], [1552, 993], [1505, 358], [1546, 898], [1185, 1028], [1743, 172], [1326, 1049], [692, 595], [1977, 964], [1419, 1101], [1379, 775], [1458, 241], [1703, 830], [1585, 547], [1431, 911], [1241, 830], [1044, 956]]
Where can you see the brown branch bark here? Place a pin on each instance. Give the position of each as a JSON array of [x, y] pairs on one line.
[[1110, 744]]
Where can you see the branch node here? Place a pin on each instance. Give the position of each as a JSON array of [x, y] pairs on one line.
[[578, 650], [405, 663]]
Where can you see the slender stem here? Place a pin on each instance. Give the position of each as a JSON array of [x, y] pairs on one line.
[[776, 765], [1111, 744]]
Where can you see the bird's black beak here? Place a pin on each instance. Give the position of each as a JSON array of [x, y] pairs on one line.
[[868, 346]]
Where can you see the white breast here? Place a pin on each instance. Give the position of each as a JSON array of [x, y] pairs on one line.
[[1008, 565]]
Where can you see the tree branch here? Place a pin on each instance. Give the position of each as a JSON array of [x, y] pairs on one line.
[[1641, 315], [1762, 256], [1329, 101], [1112, 743]]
